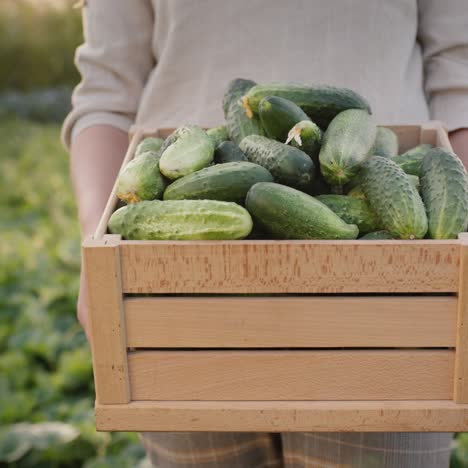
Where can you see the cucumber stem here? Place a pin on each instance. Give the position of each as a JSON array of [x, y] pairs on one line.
[[245, 104]]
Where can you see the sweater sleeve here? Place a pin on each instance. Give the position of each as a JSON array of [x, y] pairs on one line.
[[114, 61], [443, 35]]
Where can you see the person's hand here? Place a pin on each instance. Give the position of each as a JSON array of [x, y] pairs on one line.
[[82, 306]]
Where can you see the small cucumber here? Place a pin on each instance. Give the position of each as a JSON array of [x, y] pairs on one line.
[[278, 116], [181, 220], [227, 152], [306, 136], [218, 134], [288, 165], [224, 182], [191, 149], [321, 103], [141, 179], [377, 235], [386, 143], [411, 160], [149, 144], [346, 145], [287, 213], [444, 188]]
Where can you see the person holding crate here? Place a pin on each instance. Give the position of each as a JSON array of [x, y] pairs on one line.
[[161, 63]]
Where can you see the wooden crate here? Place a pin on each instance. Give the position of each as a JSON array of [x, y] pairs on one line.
[[280, 335]]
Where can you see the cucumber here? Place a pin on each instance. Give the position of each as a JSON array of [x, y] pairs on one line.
[[353, 211], [377, 235], [228, 151], [321, 103], [225, 182], [386, 143], [411, 160], [149, 144], [346, 145], [181, 220], [218, 134], [190, 150], [287, 213], [306, 136], [141, 179], [278, 116], [394, 198], [237, 123], [444, 188], [288, 165]]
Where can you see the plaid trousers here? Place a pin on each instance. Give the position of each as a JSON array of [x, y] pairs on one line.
[[297, 450]]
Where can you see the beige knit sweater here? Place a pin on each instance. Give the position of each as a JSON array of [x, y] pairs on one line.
[[162, 63]]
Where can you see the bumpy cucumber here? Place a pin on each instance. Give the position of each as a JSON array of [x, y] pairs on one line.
[[287, 213], [141, 179], [191, 149], [237, 123], [411, 160], [377, 235], [353, 211], [227, 152], [278, 116], [181, 220], [386, 143], [346, 145], [306, 136], [288, 165], [321, 103], [444, 188], [218, 134], [149, 144], [394, 198], [225, 182]]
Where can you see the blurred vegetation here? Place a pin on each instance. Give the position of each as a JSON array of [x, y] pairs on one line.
[[37, 42], [46, 381]]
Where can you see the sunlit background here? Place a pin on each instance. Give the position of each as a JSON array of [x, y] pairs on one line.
[[46, 388]]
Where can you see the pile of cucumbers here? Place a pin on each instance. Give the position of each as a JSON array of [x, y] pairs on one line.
[[291, 161]]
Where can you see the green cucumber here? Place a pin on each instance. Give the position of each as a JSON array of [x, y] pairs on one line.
[[237, 123], [288, 165], [394, 198], [225, 182], [386, 143], [411, 160], [306, 136], [287, 213], [346, 145], [227, 152], [218, 134], [190, 150], [444, 188], [278, 116], [181, 220], [353, 211], [321, 103], [141, 179], [149, 144], [377, 235]]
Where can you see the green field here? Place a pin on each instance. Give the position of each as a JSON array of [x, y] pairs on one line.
[[45, 364]]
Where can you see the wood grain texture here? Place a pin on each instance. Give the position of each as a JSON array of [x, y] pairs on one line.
[[289, 266], [309, 322], [107, 322], [112, 201], [292, 375], [461, 360], [284, 416]]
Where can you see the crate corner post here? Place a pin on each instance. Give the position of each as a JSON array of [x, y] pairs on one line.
[[461, 359], [101, 263]]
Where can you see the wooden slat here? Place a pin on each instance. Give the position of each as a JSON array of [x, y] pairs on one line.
[[289, 266], [408, 135], [461, 361], [292, 375], [284, 416], [107, 321], [258, 322]]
